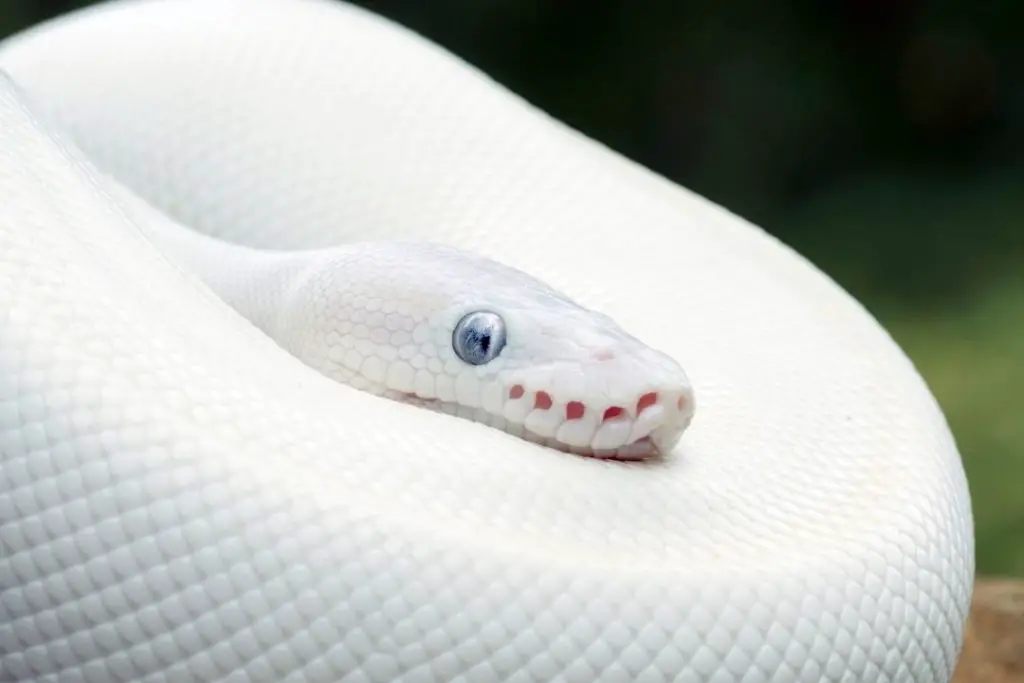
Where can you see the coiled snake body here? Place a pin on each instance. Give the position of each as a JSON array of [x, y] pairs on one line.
[[187, 493]]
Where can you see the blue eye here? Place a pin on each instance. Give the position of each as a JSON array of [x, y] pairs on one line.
[[479, 337]]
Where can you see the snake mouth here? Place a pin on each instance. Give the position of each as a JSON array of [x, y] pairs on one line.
[[647, 447], [653, 440]]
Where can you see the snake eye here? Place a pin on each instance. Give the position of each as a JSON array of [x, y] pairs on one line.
[[479, 337]]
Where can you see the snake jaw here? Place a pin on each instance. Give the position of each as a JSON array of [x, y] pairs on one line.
[[672, 411]]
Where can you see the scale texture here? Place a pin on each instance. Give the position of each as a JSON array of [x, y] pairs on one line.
[[181, 500]]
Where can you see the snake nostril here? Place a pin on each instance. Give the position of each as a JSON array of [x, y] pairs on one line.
[[612, 412], [542, 401], [646, 401], [574, 410], [516, 392]]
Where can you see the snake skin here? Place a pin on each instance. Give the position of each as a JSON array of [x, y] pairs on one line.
[[180, 500]]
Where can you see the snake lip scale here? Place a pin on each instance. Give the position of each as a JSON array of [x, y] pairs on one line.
[[668, 415]]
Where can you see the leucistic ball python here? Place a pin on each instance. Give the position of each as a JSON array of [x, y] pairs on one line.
[[441, 328], [185, 496]]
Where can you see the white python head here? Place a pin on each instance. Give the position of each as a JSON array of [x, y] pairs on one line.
[[446, 330]]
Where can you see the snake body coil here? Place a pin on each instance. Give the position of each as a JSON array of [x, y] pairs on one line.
[[182, 499]]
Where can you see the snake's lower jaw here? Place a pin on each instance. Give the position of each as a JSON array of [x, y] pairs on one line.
[[658, 445], [647, 448], [641, 449]]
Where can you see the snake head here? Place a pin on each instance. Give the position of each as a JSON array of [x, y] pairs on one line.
[[471, 337], [566, 376]]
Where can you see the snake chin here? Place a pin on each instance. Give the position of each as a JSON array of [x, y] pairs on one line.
[[641, 449]]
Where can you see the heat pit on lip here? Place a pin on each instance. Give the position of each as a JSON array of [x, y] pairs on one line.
[[575, 410]]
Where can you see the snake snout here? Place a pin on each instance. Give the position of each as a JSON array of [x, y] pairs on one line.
[[620, 405]]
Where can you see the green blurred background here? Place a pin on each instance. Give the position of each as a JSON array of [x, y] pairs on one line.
[[883, 139]]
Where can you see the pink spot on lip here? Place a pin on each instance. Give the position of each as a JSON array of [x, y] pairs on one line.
[[516, 392], [612, 412], [646, 401], [574, 410], [542, 401], [604, 354]]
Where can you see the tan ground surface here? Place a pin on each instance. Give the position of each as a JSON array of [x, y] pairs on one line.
[[994, 643]]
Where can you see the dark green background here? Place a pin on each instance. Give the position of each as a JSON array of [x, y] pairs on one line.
[[884, 139]]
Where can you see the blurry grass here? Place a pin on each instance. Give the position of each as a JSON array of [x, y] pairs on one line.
[[972, 356]]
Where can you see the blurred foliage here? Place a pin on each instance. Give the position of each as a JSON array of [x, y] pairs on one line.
[[883, 139]]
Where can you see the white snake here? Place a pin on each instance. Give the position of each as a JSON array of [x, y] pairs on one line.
[[181, 499]]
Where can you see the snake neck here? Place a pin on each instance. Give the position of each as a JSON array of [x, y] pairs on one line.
[[254, 282]]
